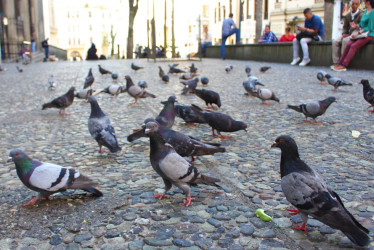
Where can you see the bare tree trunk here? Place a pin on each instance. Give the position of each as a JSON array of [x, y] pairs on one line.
[[172, 30], [258, 18], [328, 18], [130, 36], [113, 37]]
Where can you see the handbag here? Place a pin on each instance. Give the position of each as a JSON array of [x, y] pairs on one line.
[[307, 34], [362, 35]]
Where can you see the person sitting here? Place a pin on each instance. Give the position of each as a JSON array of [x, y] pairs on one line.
[[268, 36], [91, 53], [351, 21], [287, 37], [207, 41], [227, 31], [313, 30], [366, 25]]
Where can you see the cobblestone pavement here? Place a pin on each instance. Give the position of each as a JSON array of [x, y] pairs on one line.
[[127, 217]]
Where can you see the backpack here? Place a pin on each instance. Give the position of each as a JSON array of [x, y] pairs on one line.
[[44, 43]]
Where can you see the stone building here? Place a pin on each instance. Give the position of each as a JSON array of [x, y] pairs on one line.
[[19, 20]]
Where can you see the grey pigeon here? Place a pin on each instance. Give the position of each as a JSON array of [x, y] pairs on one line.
[[189, 85], [47, 178], [204, 81], [19, 69], [313, 109], [84, 93], [143, 84], [220, 122], [336, 82], [174, 70], [188, 115], [209, 97], [135, 67], [188, 76], [173, 65], [307, 191], [101, 128], [114, 76], [161, 73], [265, 95], [103, 71], [228, 68], [165, 78], [248, 70], [114, 90], [135, 91], [321, 76], [250, 85], [89, 80], [166, 117], [173, 168], [184, 145], [51, 83], [368, 93], [264, 69], [193, 69], [61, 102]]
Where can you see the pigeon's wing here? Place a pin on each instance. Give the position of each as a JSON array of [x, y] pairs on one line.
[[114, 89], [96, 125], [312, 109], [135, 91], [265, 94], [369, 95], [60, 102], [51, 177]]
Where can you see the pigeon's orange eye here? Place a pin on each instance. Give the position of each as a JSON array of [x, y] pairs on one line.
[[153, 126], [281, 140], [16, 154]]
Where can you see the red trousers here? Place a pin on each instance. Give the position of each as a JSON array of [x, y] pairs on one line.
[[351, 49]]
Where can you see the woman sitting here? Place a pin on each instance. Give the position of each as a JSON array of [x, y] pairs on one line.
[[288, 37], [366, 25]]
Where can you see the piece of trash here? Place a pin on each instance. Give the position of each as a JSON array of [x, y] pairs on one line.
[[264, 217], [355, 134]]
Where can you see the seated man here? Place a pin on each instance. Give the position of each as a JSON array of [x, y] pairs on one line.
[[227, 31], [268, 36], [351, 21], [207, 41], [313, 30]]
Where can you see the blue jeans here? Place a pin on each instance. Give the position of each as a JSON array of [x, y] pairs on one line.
[[33, 46], [203, 45], [224, 38], [46, 52]]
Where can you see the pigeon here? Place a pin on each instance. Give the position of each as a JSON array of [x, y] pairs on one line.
[[188, 115], [228, 68], [264, 95], [313, 109], [114, 76], [135, 67], [104, 71], [165, 78], [19, 69], [47, 178], [61, 102], [101, 128], [51, 83], [247, 70], [220, 122], [250, 85], [161, 73], [184, 145], [321, 76], [307, 191], [172, 167], [89, 80], [114, 90], [143, 84], [336, 82], [368, 92], [173, 65], [189, 85], [188, 76], [209, 97], [173, 70], [193, 69], [136, 91], [204, 81], [264, 69], [84, 93], [166, 117]]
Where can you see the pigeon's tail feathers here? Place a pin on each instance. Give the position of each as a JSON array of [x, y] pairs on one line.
[[275, 98], [82, 182], [346, 83], [207, 180], [48, 105], [94, 191], [106, 90], [294, 107], [219, 102], [358, 236], [146, 94], [114, 149]]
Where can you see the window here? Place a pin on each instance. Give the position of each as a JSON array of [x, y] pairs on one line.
[[69, 41], [219, 12], [77, 14], [230, 6], [266, 9], [215, 15], [90, 27], [247, 8], [205, 10], [68, 14], [89, 14], [224, 12]]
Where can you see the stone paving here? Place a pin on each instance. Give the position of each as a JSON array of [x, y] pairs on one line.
[[126, 217]]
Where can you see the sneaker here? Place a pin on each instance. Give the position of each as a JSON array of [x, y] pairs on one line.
[[295, 61], [339, 68], [304, 62], [333, 66]]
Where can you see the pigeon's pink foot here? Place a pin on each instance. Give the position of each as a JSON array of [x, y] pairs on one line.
[[188, 201], [370, 106], [192, 159], [265, 103], [214, 134], [293, 211], [301, 227], [225, 137], [318, 122], [160, 196], [32, 202], [135, 101], [306, 121], [67, 114], [208, 107], [60, 112], [335, 89], [101, 151], [372, 111], [46, 198]]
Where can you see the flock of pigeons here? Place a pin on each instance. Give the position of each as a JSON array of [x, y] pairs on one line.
[[302, 186]]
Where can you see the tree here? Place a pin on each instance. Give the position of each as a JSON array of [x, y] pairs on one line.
[[328, 18], [112, 36], [130, 35], [258, 18]]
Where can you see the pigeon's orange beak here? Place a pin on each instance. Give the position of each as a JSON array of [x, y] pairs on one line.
[[274, 145]]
